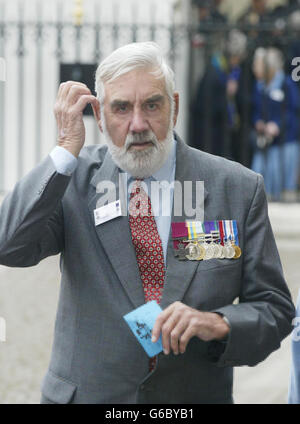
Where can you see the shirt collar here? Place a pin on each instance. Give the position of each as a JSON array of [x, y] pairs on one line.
[[276, 82]]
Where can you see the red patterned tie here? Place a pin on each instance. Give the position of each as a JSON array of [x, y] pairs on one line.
[[147, 244]]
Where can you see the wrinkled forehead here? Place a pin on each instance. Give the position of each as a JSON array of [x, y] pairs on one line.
[[139, 84]]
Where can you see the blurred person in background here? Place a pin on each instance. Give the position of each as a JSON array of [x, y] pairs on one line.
[[252, 21], [237, 91], [256, 14], [293, 46], [284, 10], [217, 124], [209, 123], [208, 16], [276, 122], [208, 11], [292, 6], [209, 107], [293, 50], [284, 30]]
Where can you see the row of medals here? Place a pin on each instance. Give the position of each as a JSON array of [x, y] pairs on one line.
[[207, 246]]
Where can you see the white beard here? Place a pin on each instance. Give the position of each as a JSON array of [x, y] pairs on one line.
[[140, 163]]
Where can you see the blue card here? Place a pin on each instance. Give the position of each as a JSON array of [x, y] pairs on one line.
[[141, 321]]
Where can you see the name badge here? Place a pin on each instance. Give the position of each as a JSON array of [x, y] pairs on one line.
[[107, 212]]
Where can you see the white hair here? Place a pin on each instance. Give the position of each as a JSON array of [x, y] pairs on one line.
[[271, 56], [294, 20], [237, 43], [274, 59], [146, 55], [259, 54]]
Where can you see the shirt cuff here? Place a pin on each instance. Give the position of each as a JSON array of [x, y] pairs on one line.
[[64, 162]]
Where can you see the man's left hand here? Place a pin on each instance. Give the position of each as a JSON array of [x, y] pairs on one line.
[[178, 323]]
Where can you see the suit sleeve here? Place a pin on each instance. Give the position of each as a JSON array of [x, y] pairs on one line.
[[263, 317], [31, 217]]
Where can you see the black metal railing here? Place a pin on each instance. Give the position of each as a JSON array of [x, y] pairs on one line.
[[208, 124]]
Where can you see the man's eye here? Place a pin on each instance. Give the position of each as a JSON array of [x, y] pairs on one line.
[[151, 106], [122, 108]]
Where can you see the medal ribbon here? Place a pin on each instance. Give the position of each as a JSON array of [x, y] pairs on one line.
[[228, 229], [235, 232], [221, 229], [194, 228], [190, 230], [216, 228], [209, 227], [199, 227], [179, 231]]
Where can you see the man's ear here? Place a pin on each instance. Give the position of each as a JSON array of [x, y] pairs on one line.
[[97, 114], [176, 107]]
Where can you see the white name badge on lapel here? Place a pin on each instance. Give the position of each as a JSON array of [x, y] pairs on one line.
[[107, 212]]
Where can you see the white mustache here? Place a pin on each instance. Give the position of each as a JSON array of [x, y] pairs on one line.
[[140, 139]]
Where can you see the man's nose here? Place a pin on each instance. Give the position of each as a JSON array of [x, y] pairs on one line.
[[138, 122]]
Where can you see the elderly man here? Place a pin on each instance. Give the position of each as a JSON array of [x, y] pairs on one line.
[[112, 262]]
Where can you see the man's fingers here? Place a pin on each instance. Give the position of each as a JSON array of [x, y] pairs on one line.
[[65, 87], [82, 102], [162, 317], [60, 89], [173, 330], [176, 334], [63, 100], [71, 113], [166, 331], [74, 93], [185, 338]]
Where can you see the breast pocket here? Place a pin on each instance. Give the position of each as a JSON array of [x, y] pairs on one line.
[[216, 283]]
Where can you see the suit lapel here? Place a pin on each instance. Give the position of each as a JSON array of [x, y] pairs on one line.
[[115, 235], [179, 274]]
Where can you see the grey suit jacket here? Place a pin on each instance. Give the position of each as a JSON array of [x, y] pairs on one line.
[[95, 357]]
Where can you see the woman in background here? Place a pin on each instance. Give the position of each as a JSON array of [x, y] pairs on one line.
[[276, 121]]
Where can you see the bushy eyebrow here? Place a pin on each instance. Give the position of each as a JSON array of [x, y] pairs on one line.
[[118, 103], [157, 98]]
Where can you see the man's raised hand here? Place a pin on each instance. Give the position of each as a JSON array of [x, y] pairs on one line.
[[72, 98]]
